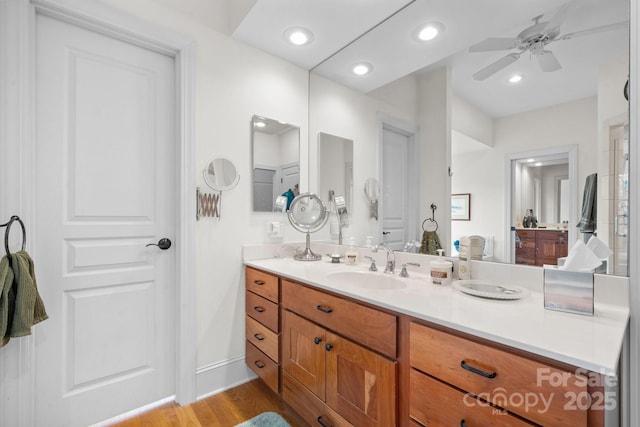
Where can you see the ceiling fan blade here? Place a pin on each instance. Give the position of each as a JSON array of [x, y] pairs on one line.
[[496, 66], [559, 17], [548, 61], [624, 25], [495, 44]]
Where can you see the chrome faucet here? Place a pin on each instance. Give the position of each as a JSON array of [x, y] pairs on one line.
[[391, 259]]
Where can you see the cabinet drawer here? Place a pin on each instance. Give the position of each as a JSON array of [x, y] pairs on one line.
[[433, 403], [263, 284], [370, 327], [263, 338], [263, 366], [263, 310], [313, 410], [523, 386]]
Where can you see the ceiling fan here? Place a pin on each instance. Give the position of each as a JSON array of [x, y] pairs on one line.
[[534, 39]]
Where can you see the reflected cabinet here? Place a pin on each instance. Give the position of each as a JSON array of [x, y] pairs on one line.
[[539, 247]]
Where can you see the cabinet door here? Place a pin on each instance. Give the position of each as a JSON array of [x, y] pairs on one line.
[[551, 245], [361, 385], [303, 352]]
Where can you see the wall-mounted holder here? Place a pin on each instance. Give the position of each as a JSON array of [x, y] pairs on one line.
[[221, 175], [372, 191]]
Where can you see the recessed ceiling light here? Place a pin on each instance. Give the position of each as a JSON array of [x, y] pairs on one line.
[[538, 164], [260, 124], [362, 68], [516, 78], [531, 160], [429, 31], [298, 36]]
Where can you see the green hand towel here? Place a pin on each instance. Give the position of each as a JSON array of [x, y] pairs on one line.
[[7, 300], [29, 308]]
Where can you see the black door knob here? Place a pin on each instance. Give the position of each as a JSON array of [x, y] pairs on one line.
[[163, 244]]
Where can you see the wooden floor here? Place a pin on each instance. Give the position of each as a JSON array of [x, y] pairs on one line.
[[222, 410]]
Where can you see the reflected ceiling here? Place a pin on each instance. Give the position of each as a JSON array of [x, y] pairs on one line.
[[394, 51]]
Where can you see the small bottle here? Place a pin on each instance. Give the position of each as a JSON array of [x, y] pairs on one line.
[[351, 254], [441, 270], [464, 267]]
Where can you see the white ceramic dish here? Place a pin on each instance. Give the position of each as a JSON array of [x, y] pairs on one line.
[[485, 289]]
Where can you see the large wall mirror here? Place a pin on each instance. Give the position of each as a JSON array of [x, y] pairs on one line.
[[276, 161], [467, 127]]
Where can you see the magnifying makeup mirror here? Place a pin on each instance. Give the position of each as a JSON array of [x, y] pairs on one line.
[[221, 174], [307, 214]]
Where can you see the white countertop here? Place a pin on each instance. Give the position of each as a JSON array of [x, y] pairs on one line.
[[589, 342]]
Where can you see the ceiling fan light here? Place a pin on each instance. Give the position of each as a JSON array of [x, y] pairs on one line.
[[429, 31], [516, 78], [362, 68], [298, 36]]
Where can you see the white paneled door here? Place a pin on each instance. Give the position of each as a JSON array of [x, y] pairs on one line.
[[106, 187], [395, 229]]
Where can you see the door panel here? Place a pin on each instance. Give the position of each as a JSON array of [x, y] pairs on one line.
[[303, 352], [394, 189], [105, 188], [361, 385]]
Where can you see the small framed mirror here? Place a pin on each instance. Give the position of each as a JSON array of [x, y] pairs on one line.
[[221, 174], [276, 162]]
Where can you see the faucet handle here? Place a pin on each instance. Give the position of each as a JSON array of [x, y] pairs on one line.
[[403, 272], [372, 267]]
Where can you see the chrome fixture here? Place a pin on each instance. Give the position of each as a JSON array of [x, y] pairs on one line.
[[403, 272], [391, 259]]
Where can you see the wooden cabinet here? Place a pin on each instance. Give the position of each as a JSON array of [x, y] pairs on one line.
[[340, 362], [539, 246], [453, 378], [262, 326], [330, 379]]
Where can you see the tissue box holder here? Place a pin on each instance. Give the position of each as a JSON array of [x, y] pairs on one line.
[[568, 291]]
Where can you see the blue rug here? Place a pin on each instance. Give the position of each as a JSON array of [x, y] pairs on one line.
[[266, 419]]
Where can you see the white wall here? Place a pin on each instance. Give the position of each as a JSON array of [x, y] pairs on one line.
[[481, 173]]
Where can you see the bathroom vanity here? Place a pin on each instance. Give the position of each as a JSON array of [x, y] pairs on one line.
[[406, 352], [540, 246]]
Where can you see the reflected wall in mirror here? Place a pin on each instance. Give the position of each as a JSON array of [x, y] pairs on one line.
[[472, 125], [335, 173], [276, 161]]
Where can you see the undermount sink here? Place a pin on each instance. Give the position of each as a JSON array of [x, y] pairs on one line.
[[366, 280]]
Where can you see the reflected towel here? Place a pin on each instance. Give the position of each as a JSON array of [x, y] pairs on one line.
[[21, 306], [588, 219], [430, 243]]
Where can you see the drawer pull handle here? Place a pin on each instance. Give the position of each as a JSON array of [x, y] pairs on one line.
[[328, 346], [462, 423], [317, 340], [322, 423], [324, 309], [258, 282], [259, 364], [258, 337], [478, 371], [259, 309]]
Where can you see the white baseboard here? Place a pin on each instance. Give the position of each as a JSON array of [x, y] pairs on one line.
[[218, 377]]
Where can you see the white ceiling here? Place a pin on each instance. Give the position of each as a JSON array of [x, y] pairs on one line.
[[349, 32]]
